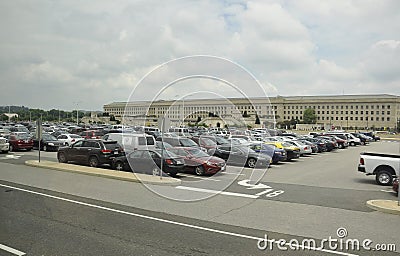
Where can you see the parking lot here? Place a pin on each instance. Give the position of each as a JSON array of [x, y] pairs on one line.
[[328, 178]]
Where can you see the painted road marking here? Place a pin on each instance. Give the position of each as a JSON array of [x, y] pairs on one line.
[[197, 177], [11, 250], [217, 231], [388, 191], [231, 173], [211, 191]]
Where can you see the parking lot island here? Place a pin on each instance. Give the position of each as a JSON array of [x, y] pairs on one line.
[[125, 176], [386, 206]]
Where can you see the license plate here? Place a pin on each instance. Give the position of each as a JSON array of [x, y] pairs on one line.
[[178, 162], [26, 141], [115, 152]]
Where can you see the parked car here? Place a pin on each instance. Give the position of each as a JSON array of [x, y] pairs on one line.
[[91, 134], [330, 143], [149, 161], [92, 152], [20, 140], [341, 141], [372, 135], [4, 145], [180, 142], [47, 143], [165, 145], [69, 139], [198, 161], [277, 154], [321, 145], [205, 142], [314, 147], [4, 132], [243, 156], [363, 139], [385, 167], [292, 152], [132, 141], [304, 148]]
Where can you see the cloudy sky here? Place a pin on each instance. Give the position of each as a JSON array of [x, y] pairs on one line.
[[60, 54]]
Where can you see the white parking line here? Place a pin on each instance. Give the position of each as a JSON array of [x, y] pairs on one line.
[[197, 177], [11, 250], [388, 191], [217, 231], [232, 173], [211, 191]]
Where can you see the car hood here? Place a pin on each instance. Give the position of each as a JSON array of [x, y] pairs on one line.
[[212, 159]]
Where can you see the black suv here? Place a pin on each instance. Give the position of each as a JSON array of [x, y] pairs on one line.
[[93, 152]]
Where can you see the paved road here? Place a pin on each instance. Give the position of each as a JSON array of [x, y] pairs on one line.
[[40, 222]]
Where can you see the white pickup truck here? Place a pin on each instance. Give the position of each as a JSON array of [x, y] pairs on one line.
[[385, 167]]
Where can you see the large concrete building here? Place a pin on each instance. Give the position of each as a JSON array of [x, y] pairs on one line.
[[345, 111]]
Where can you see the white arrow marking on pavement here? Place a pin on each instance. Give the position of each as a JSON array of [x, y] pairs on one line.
[[246, 183], [11, 250]]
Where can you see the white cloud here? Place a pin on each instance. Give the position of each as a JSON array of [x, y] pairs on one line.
[[292, 47]]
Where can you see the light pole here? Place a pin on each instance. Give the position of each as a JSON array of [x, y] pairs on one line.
[[77, 112]]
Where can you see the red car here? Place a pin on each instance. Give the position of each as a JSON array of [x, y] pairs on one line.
[[198, 161], [396, 186], [20, 141], [92, 134]]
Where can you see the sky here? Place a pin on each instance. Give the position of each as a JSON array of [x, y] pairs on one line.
[[68, 54]]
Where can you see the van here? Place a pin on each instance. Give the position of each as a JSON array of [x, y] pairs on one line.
[[179, 131], [132, 141]]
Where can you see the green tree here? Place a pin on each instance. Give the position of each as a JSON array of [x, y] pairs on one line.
[[309, 116]]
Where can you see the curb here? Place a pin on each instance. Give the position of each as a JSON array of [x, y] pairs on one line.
[[111, 174], [398, 139], [386, 206]]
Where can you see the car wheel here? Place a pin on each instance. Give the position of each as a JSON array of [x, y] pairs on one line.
[[251, 162], [119, 166], [340, 146], [93, 161], [384, 177], [352, 143], [61, 158], [45, 148], [199, 170], [11, 148]]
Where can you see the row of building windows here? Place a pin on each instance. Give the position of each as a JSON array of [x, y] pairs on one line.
[[341, 118], [341, 112], [339, 107]]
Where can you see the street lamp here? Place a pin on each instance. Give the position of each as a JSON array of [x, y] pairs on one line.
[[77, 111]]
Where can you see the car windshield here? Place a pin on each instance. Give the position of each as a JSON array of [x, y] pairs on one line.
[[208, 142], [187, 142], [221, 140], [198, 152], [285, 144], [49, 137], [23, 136]]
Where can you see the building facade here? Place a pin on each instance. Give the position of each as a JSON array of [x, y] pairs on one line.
[[345, 111]]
